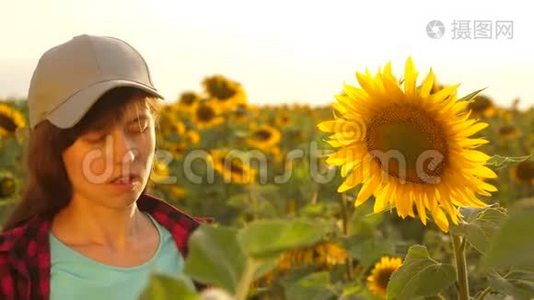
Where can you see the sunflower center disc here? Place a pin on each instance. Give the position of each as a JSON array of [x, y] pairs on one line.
[[383, 278], [525, 171], [188, 99], [205, 113], [262, 134], [408, 143], [7, 123]]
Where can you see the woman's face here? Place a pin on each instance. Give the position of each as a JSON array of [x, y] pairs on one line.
[[124, 150]]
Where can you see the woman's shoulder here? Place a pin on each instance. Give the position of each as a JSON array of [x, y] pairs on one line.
[[180, 224], [24, 233], [167, 214], [9, 237]]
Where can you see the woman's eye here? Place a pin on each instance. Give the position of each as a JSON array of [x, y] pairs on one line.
[[95, 137], [139, 127]]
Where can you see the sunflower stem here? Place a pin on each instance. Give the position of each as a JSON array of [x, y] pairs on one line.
[[254, 200], [345, 215], [484, 293], [461, 267], [246, 279]]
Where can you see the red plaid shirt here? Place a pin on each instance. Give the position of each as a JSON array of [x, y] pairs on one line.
[[25, 250]]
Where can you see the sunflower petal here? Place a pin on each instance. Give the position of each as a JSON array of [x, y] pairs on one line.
[[410, 75], [352, 180], [484, 172], [388, 73], [365, 82], [348, 166], [420, 205], [444, 93], [383, 198], [476, 156], [327, 126], [472, 142], [427, 85], [341, 156], [354, 93], [440, 219], [404, 201], [488, 187], [474, 129], [366, 191]]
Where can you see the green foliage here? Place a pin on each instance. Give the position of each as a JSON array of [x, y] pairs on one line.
[[316, 286], [216, 257], [480, 225], [268, 238], [254, 228], [513, 245], [419, 276], [470, 96], [499, 161], [368, 250], [162, 287], [232, 259], [518, 284]]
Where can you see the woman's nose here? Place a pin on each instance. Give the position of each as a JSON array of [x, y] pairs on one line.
[[124, 147]]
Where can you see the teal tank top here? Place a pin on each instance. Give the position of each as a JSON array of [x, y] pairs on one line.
[[75, 276]]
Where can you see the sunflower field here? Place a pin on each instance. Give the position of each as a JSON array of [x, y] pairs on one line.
[[400, 189]]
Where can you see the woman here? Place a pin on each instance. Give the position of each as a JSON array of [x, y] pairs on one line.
[[85, 228]]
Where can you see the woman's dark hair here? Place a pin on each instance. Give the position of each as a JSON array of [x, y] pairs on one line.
[[47, 188]]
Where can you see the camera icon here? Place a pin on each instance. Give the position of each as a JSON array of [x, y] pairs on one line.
[[435, 29]]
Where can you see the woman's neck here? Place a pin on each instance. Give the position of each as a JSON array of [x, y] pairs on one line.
[[85, 223]]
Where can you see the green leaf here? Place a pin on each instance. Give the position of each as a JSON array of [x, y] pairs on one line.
[[268, 238], [351, 290], [419, 275], [164, 287], [364, 221], [314, 286], [368, 250], [518, 284], [470, 96], [513, 244], [215, 257], [499, 161], [319, 279], [479, 225]]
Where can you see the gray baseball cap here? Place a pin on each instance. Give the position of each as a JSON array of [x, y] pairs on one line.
[[71, 77]]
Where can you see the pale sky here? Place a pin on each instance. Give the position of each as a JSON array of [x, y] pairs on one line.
[[281, 51]]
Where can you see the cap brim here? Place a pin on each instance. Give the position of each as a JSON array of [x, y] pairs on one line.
[[73, 109]]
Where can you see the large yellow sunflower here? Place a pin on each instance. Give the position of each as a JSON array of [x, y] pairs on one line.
[[10, 120], [408, 147], [381, 273], [231, 168]]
